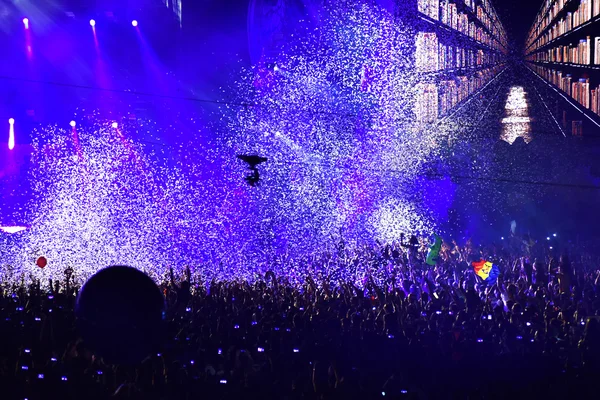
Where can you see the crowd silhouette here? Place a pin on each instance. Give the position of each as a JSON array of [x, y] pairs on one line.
[[405, 329]]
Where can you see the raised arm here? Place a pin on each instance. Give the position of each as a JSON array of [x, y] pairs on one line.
[[172, 276]]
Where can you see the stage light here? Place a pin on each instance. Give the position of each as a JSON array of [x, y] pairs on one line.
[[72, 123], [554, 235], [134, 23], [92, 22], [12, 229], [26, 23], [11, 134], [115, 125]]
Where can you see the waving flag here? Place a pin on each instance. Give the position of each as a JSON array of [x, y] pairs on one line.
[[486, 270], [434, 251]]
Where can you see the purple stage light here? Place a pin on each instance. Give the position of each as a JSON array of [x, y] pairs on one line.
[[26, 23], [11, 121], [115, 125], [134, 23], [73, 123], [92, 23]]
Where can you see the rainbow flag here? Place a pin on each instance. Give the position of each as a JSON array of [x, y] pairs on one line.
[[486, 270]]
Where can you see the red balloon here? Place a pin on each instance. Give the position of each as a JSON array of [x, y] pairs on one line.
[[42, 262]]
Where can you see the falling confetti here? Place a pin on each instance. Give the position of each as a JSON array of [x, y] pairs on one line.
[[331, 112]]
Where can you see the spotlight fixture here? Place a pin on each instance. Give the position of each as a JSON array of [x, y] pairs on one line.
[[72, 123], [115, 125], [26, 23], [92, 22], [253, 161], [11, 121], [134, 22]]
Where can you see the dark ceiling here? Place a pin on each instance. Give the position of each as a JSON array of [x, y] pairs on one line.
[[517, 17]]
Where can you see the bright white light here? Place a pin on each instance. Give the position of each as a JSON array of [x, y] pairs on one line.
[[517, 122], [11, 134], [12, 229], [92, 22], [134, 23], [73, 123], [115, 125], [26, 23], [516, 99]]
